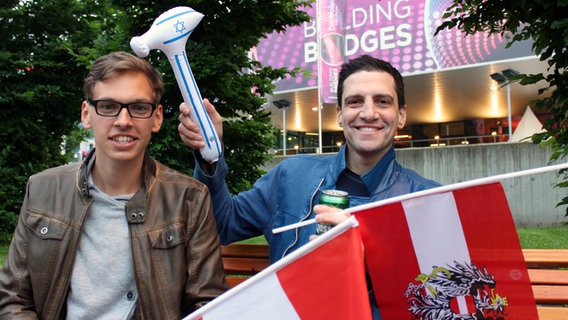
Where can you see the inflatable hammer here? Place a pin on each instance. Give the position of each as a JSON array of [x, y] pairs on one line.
[[169, 33]]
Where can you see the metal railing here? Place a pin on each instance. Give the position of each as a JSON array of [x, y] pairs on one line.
[[406, 143]]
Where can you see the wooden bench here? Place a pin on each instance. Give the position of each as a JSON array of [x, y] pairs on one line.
[[548, 271], [241, 261]]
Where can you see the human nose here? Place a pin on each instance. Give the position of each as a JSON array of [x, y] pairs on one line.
[[368, 111], [123, 118]]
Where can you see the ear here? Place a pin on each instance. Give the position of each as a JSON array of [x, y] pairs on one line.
[[339, 115], [85, 115], [158, 118], [401, 117]]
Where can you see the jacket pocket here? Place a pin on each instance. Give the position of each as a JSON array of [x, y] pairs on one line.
[[45, 253], [168, 237], [46, 227]]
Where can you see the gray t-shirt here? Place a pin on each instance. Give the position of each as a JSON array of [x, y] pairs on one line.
[[102, 282]]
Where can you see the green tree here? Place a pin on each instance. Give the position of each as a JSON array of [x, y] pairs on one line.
[[47, 46], [40, 90], [546, 23], [217, 51]]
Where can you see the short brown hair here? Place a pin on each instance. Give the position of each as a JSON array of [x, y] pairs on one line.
[[116, 63], [370, 64]]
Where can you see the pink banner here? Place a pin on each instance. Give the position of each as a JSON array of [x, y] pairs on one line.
[[332, 46], [399, 31]]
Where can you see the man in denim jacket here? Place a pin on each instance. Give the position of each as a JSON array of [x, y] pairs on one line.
[[371, 108]]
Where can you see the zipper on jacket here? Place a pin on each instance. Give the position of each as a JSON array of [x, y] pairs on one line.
[[304, 218]]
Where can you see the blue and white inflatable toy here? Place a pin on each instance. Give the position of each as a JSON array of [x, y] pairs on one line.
[[169, 34]]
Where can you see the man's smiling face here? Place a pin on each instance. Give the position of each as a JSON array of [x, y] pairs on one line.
[[370, 115], [122, 138]]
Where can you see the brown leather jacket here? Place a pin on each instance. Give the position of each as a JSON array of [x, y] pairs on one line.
[[175, 246]]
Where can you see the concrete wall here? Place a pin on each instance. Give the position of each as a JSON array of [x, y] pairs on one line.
[[532, 198]]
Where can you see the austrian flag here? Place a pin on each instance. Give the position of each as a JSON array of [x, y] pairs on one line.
[[449, 255], [324, 279]]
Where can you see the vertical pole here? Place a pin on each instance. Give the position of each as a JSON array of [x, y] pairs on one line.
[[319, 127], [284, 130], [510, 126], [318, 31]]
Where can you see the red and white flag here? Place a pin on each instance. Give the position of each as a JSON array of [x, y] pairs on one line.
[[449, 255], [325, 279]]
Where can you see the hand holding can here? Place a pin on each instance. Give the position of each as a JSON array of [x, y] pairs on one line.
[[333, 198]]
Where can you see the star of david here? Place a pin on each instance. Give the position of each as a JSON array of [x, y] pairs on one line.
[[180, 27]]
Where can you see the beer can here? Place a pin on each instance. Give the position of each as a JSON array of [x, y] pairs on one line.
[[333, 198]]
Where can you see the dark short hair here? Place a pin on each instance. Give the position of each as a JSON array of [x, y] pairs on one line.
[[117, 63], [368, 63]]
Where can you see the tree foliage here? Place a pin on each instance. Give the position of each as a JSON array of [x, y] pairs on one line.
[[47, 46], [40, 89], [546, 23]]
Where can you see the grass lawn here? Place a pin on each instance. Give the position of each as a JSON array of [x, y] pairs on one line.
[[3, 253], [544, 238], [531, 238]]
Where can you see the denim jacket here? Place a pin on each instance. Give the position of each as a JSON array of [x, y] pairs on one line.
[[288, 193]]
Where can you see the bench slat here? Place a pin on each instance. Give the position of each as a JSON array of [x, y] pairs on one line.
[[540, 257], [546, 276], [545, 294], [552, 313], [245, 251], [546, 258], [234, 281], [244, 266]]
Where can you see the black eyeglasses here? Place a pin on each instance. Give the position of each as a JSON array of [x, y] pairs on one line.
[[109, 108]]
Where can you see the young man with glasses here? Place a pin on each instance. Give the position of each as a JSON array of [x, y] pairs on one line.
[[119, 235]]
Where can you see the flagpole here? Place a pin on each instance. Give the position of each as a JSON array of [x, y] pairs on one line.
[[318, 34], [441, 189], [293, 226]]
